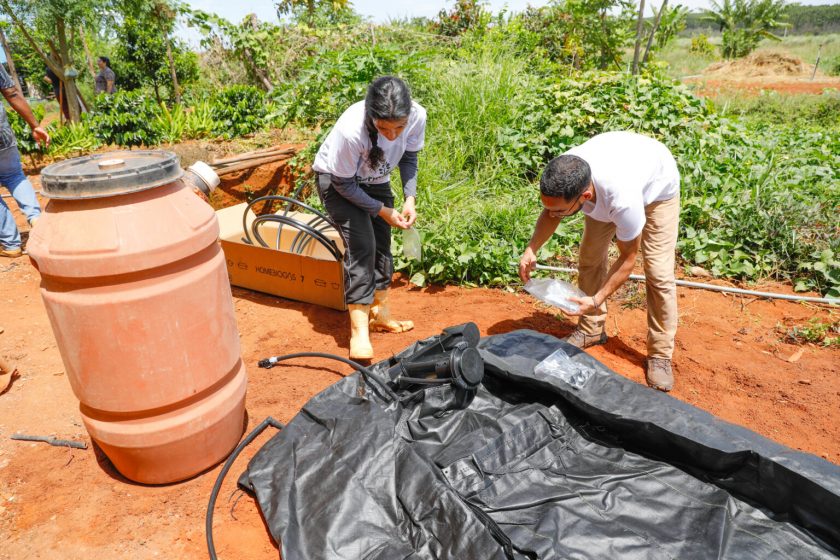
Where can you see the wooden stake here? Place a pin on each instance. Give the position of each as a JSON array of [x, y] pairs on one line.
[[250, 164], [253, 155]]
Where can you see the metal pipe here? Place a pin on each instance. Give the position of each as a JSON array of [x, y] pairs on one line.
[[727, 289]]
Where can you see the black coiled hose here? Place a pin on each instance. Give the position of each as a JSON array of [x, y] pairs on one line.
[[314, 229]]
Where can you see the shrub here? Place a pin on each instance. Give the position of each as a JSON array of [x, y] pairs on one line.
[[466, 15], [126, 118], [26, 144], [333, 80], [237, 111], [700, 45], [72, 139]]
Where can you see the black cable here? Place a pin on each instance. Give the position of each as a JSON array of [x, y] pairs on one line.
[[367, 374], [423, 380], [208, 524]]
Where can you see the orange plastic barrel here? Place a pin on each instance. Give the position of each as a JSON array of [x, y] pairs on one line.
[[137, 292]]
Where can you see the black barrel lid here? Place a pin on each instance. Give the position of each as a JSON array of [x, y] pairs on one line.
[[110, 174]]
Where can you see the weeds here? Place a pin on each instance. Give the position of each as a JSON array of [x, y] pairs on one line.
[[815, 331]]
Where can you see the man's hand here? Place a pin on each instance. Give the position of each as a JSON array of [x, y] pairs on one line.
[[409, 214], [40, 135], [527, 263], [586, 305], [393, 218]]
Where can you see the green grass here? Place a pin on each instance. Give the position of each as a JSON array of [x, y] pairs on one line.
[[771, 107]]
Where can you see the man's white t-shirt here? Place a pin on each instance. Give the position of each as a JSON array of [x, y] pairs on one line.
[[629, 171], [345, 151]]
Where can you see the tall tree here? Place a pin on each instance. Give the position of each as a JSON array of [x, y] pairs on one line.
[[638, 45], [312, 12], [743, 23], [49, 26], [147, 51]]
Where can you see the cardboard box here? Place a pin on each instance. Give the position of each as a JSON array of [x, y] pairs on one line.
[[311, 274]]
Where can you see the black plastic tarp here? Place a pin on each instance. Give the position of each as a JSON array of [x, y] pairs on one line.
[[535, 468]]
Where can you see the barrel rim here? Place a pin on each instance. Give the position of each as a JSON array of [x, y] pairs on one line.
[[57, 182]]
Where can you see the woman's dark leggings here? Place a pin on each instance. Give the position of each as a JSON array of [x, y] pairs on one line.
[[368, 264]]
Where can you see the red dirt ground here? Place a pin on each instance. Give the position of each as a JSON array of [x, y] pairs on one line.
[[711, 88], [760, 71], [71, 504]]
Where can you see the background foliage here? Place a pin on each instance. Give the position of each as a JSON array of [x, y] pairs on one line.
[[504, 94]]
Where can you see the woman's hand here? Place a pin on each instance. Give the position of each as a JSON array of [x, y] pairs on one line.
[[408, 211], [393, 218]]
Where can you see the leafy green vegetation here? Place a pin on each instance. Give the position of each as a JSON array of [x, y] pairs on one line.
[[743, 23], [504, 94], [815, 331], [237, 111]]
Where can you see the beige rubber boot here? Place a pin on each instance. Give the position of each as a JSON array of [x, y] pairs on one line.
[[360, 348], [380, 316]]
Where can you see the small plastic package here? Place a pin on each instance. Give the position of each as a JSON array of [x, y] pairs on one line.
[[559, 364], [555, 292], [412, 248]]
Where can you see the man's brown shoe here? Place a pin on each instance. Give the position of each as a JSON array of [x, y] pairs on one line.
[[659, 374], [583, 341], [11, 252]]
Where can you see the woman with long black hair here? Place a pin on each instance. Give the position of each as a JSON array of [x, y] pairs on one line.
[[354, 164]]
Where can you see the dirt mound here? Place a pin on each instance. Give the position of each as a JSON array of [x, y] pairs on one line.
[[759, 65]]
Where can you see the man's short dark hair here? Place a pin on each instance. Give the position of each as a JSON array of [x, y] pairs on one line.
[[106, 60], [565, 177]]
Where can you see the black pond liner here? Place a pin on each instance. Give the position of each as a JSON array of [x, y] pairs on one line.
[[534, 468]]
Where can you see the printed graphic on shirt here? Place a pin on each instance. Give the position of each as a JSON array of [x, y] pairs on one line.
[[384, 170]]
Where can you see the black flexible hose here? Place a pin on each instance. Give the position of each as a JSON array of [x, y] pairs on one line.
[[288, 201], [269, 363], [208, 523], [368, 375], [301, 241], [328, 243]]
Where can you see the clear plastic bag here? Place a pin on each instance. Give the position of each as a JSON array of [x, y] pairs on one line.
[[560, 365], [412, 249], [555, 292]]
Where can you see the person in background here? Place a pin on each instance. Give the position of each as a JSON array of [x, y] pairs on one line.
[[354, 164], [106, 79], [51, 78], [11, 171], [628, 187]]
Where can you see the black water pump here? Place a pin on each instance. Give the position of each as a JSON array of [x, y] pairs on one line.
[[453, 358]]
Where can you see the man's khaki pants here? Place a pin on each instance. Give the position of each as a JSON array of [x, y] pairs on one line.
[[659, 242]]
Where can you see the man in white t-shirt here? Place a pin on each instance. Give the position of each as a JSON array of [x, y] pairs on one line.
[[628, 187]]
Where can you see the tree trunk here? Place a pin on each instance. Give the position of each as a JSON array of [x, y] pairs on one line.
[[310, 9], [69, 81], [653, 31], [72, 93], [157, 91], [11, 62], [260, 73], [176, 89], [88, 56], [638, 46]]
